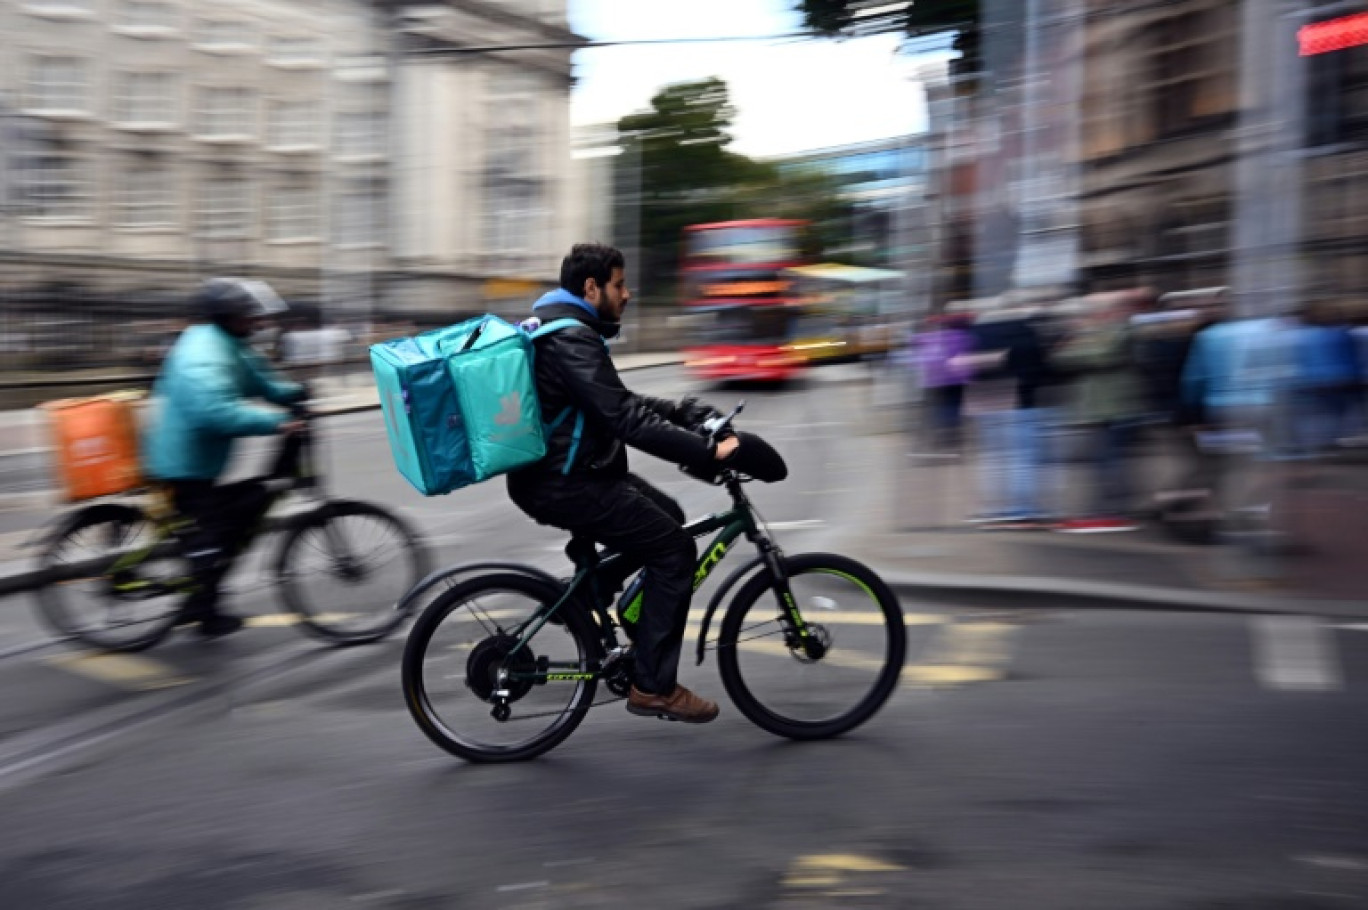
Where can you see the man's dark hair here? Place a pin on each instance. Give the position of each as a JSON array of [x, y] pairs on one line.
[[589, 260]]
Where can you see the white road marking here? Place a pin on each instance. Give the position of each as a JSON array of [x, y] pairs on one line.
[[523, 886], [1295, 654]]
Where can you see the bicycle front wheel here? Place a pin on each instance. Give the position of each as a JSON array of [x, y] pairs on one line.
[[836, 677], [344, 569], [463, 640], [108, 582]]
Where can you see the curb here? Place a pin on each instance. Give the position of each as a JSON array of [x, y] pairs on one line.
[[1027, 592]]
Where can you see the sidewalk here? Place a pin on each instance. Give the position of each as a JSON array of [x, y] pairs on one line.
[[919, 538]]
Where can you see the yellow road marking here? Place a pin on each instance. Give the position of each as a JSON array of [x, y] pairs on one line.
[[272, 620], [281, 620], [948, 675], [844, 862], [122, 670], [827, 870], [962, 653]]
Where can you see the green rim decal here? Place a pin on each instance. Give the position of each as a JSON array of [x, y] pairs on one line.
[[851, 578]]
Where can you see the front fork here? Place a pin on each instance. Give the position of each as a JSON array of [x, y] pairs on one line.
[[799, 637]]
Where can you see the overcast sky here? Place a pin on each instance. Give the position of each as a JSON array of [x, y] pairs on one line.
[[790, 95]]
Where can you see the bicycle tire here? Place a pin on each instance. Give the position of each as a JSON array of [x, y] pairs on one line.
[[121, 524], [865, 581], [324, 620], [417, 697]]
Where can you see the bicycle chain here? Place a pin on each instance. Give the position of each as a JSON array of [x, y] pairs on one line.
[[558, 713]]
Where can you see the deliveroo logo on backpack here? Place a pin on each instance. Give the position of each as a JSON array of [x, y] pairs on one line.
[[510, 416], [510, 413]]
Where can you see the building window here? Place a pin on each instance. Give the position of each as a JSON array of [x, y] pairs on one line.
[[148, 15], [55, 183], [224, 34], [146, 194], [146, 98], [292, 124], [513, 197], [225, 208], [1194, 67], [1337, 97], [226, 113], [292, 210], [57, 84], [360, 134], [360, 126], [294, 49], [360, 214]]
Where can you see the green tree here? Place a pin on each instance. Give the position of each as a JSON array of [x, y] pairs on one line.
[[850, 18], [686, 175], [679, 166]]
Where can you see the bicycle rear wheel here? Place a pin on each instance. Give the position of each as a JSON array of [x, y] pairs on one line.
[[128, 609], [833, 681], [456, 649], [344, 569]]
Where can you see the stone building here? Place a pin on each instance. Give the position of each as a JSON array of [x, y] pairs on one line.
[[1209, 153], [337, 148]]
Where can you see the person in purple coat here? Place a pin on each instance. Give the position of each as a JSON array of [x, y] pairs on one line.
[[943, 339]]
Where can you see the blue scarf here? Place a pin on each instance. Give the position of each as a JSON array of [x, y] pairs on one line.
[[560, 295]]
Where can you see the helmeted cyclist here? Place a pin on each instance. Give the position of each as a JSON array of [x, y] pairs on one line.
[[201, 403], [583, 485]]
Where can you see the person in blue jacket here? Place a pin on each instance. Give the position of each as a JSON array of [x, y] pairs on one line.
[[201, 403]]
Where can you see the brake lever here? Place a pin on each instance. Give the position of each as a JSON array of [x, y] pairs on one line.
[[715, 425]]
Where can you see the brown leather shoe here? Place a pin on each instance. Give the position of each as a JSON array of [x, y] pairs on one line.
[[681, 705]]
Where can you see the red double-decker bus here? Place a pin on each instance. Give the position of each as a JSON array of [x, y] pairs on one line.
[[741, 308]]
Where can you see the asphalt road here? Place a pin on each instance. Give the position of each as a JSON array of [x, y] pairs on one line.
[[1030, 759]]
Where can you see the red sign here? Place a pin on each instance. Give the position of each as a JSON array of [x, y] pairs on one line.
[[1333, 34]]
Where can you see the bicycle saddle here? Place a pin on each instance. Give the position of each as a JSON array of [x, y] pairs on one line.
[[582, 552]]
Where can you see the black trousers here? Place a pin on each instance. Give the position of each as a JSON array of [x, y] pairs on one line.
[[223, 517], [632, 517]]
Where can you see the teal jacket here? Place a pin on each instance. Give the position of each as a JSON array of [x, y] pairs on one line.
[[199, 404]]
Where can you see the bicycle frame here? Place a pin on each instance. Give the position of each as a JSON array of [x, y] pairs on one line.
[[730, 525], [166, 525]]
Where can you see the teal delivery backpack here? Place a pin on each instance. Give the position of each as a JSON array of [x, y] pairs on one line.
[[460, 403]]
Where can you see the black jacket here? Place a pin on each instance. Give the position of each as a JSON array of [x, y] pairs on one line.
[[574, 372]]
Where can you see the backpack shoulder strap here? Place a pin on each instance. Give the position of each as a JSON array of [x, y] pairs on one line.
[[556, 326]]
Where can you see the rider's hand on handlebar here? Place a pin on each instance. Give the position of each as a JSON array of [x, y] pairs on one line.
[[692, 413], [292, 427], [726, 448]]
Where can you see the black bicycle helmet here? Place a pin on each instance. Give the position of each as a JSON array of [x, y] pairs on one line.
[[223, 299]]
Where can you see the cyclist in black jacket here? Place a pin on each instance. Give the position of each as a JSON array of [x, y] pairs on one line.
[[583, 484]]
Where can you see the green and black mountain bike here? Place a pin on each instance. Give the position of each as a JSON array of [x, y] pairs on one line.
[[503, 665]]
